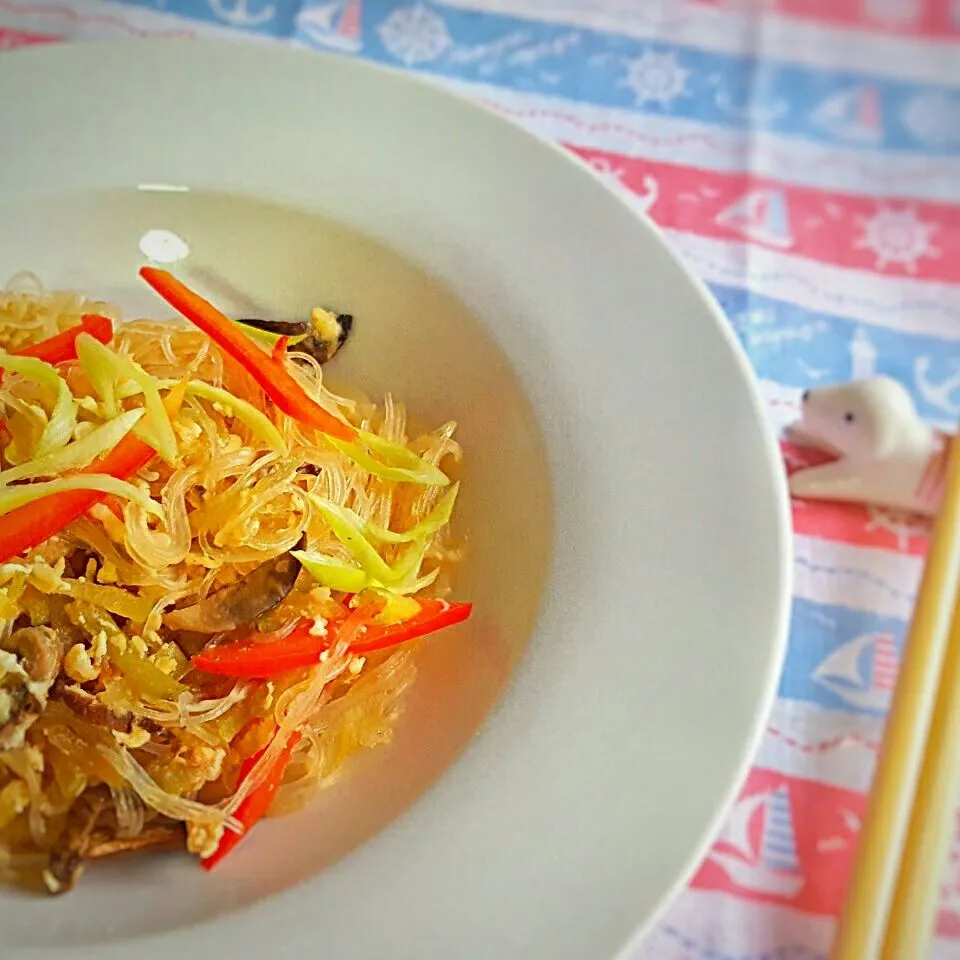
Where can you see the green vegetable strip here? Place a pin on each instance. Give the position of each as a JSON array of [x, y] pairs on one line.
[[76, 455], [104, 367], [437, 518], [420, 584], [100, 372], [247, 413], [349, 532], [429, 525], [423, 473], [406, 568], [267, 338], [11, 498], [392, 453], [400, 455], [63, 418], [147, 679], [330, 573]]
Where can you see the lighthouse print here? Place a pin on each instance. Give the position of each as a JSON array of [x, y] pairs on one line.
[[758, 848], [863, 355], [334, 24], [761, 215]]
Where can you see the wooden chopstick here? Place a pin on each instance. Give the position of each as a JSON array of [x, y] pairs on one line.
[[896, 860], [913, 912]]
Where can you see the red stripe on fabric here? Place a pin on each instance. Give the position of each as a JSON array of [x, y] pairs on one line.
[[894, 237], [932, 19]]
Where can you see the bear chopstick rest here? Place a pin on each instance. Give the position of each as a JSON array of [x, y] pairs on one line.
[[886, 456]]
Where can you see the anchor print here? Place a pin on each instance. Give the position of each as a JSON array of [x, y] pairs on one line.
[[937, 394]]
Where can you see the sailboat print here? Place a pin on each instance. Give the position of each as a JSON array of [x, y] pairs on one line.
[[761, 215], [334, 24], [772, 867], [852, 114], [862, 672]]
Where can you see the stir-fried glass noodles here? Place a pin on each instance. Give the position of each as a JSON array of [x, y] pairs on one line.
[[213, 574]]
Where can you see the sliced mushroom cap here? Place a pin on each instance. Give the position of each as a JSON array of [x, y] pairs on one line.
[[329, 332], [161, 836], [91, 834], [18, 712], [66, 858], [87, 706], [243, 602], [322, 335], [39, 651]]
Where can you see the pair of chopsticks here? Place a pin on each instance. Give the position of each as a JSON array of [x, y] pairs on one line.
[[891, 906]]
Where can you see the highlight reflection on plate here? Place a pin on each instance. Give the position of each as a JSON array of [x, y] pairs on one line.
[[163, 246]]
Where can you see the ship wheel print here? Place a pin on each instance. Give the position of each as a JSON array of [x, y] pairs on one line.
[[240, 14]]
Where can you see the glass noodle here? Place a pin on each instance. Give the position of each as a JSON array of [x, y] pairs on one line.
[[127, 737]]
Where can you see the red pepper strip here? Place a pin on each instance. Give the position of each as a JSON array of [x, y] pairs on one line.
[[280, 350], [434, 615], [266, 658], [63, 346], [257, 803], [272, 376], [300, 648], [29, 525]]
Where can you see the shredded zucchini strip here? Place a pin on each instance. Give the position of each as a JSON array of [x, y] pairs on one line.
[[106, 369], [396, 462], [76, 455], [63, 417], [245, 412], [12, 498]]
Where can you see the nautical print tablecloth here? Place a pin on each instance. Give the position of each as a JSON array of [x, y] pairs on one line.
[[804, 158]]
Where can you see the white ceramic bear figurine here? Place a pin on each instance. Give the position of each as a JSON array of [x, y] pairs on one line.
[[887, 456]]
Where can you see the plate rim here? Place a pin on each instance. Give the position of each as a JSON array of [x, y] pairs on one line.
[[773, 462]]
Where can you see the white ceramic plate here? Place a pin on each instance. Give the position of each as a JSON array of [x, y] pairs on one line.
[[620, 471]]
